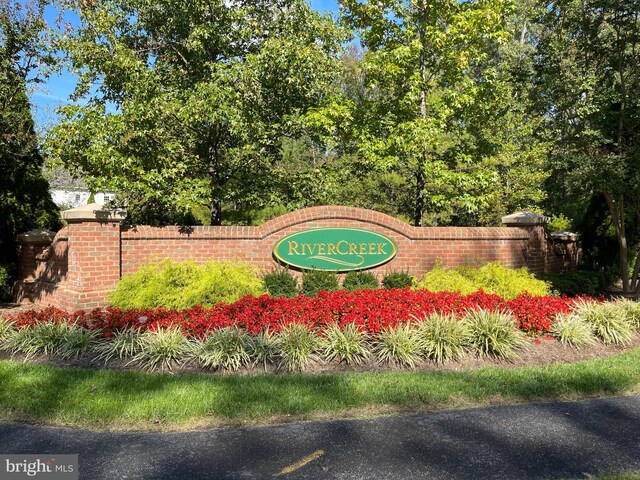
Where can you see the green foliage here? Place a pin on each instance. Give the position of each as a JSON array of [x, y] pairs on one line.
[[297, 346], [201, 108], [316, 281], [346, 344], [125, 344], [224, 348], [360, 281], [78, 341], [440, 279], [162, 348], [573, 330], [263, 349], [7, 328], [91, 199], [5, 287], [42, 338], [281, 283], [443, 337], [397, 280], [493, 334], [609, 322], [576, 282], [492, 278], [559, 223], [25, 202], [630, 309], [401, 345], [183, 285]]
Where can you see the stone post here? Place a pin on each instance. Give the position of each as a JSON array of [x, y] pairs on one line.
[[535, 255], [94, 254]]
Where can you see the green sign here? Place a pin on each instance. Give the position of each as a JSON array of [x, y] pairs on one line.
[[336, 249]]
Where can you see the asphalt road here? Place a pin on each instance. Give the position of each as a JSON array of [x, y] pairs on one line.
[[542, 441]]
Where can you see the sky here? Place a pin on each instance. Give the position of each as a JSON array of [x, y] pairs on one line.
[[56, 90]]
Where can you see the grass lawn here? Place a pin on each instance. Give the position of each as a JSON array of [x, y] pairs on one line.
[[108, 399]]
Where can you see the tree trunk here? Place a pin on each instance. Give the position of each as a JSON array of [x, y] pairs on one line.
[[616, 209], [216, 212], [419, 206]]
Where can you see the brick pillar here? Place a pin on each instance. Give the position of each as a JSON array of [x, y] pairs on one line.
[[535, 255], [94, 254]]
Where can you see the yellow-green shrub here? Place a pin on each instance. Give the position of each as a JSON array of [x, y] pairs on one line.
[[492, 278], [183, 285]]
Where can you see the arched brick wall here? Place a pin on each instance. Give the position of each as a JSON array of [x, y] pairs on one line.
[[100, 251]]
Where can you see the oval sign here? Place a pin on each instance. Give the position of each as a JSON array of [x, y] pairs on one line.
[[335, 249]]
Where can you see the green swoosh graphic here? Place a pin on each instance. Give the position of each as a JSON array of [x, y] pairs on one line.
[[338, 262]]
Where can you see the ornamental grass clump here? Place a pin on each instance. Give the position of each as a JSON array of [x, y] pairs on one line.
[[263, 349], [347, 344], [442, 337], [162, 348], [631, 310], [399, 346], [610, 324], [573, 330], [297, 345], [225, 348], [124, 345], [493, 333], [42, 338], [78, 341], [7, 328]]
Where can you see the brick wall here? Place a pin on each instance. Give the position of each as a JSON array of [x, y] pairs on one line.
[[95, 250]]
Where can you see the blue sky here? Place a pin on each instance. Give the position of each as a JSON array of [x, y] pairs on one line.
[[56, 90]]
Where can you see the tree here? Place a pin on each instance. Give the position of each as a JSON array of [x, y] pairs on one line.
[[187, 102], [421, 66], [589, 70], [25, 202]]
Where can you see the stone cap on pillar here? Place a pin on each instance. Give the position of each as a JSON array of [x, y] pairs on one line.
[[37, 236], [94, 212], [525, 219]]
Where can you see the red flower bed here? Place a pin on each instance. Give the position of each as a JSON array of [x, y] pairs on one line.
[[371, 310]]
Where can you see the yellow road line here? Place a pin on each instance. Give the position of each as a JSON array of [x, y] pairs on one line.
[[309, 458]]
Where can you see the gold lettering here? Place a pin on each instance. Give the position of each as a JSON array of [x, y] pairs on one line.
[[338, 247], [331, 249], [321, 250], [372, 249], [304, 248], [363, 249], [312, 248], [293, 249], [381, 249], [352, 249]]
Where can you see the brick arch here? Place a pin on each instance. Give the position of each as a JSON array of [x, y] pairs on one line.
[[333, 212]]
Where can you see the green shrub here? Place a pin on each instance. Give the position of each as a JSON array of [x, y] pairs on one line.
[[610, 324], [162, 348], [125, 344], [224, 348], [442, 337], [400, 346], [5, 287], [184, 285], [493, 333], [492, 278], [360, 281], [316, 281], [559, 223], [440, 279], [297, 346], [398, 280], [281, 283], [577, 282], [572, 330], [346, 344]]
